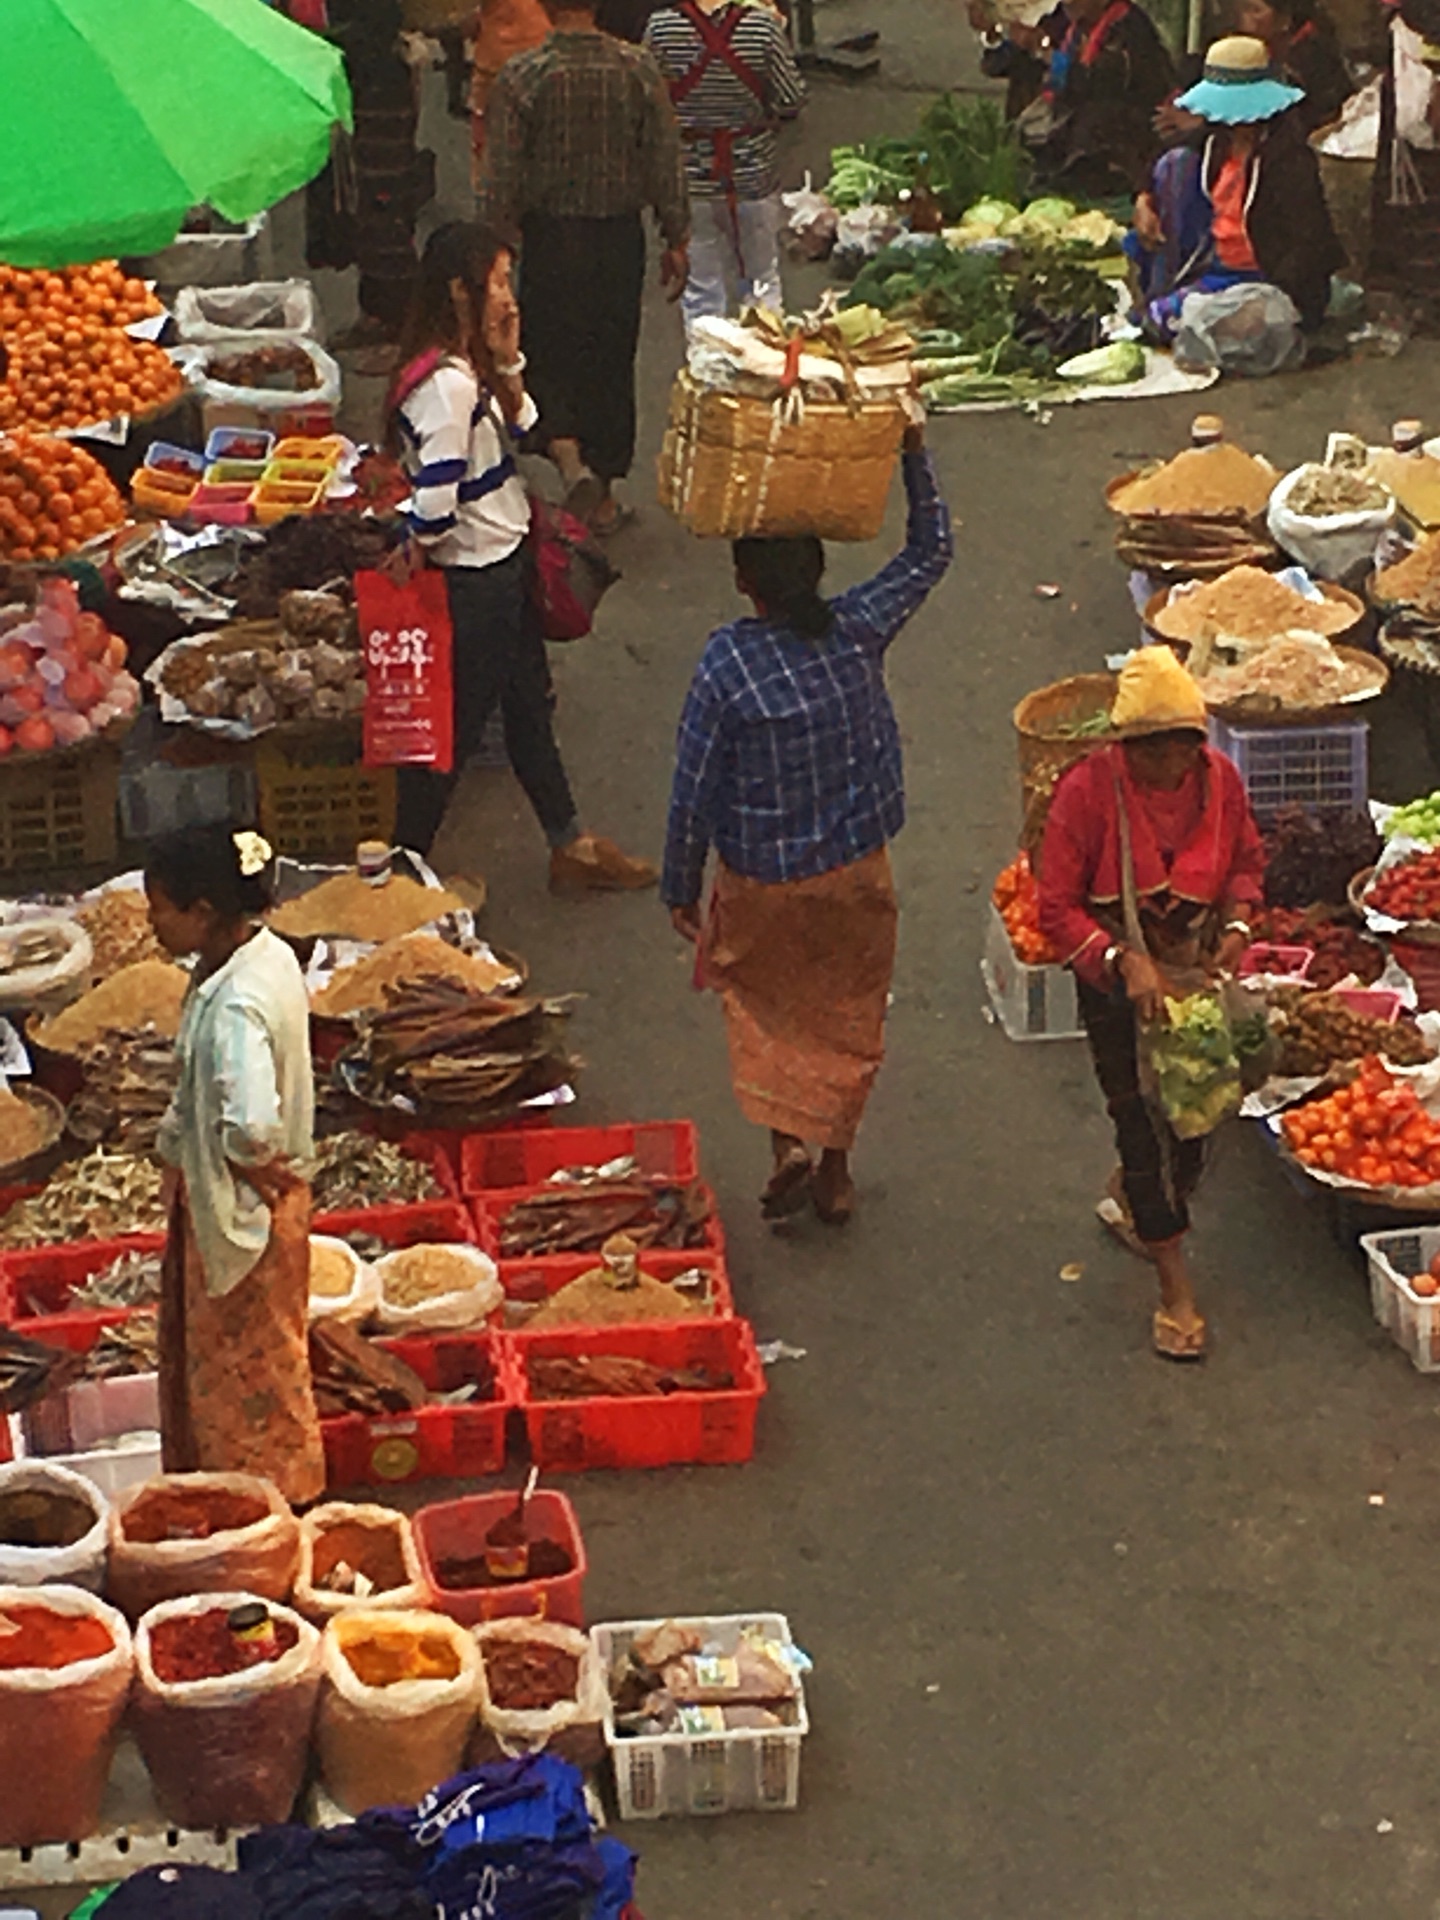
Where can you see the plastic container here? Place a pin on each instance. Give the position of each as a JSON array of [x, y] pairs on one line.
[[39, 1282], [1031, 1003], [167, 494], [299, 473], [1276, 962], [523, 1280], [1376, 1003], [235, 473], [651, 1430], [1318, 769], [312, 804], [161, 455], [432, 1443], [58, 810], [277, 500], [227, 506], [748, 1770], [328, 448], [458, 1528], [264, 311], [239, 443], [496, 1160], [1411, 1320]]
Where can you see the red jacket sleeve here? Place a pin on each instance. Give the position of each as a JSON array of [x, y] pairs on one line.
[[1067, 869]]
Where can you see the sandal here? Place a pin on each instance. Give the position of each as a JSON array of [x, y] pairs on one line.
[[1174, 1342], [788, 1187]]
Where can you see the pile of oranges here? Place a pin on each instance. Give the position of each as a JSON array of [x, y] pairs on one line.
[[1018, 901], [1374, 1131], [71, 362], [54, 496]]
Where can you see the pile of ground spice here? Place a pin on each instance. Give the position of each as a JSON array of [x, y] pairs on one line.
[[1415, 580], [38, 1517], [414, 956], [23, 1128], [1247, 603], [201, 1646], [345, 907], [118, 923], [40, 1637], [1218, 479], [377, 1552], [527, 1676], [594, 1300], [460, 1572], [176, 1513], [390, 1654], [148, 994]]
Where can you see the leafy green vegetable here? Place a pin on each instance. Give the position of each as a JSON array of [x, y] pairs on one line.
[[1192, 1052], [1113, 366], [961, 151]]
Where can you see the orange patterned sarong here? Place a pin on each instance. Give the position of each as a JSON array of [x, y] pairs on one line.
[[803, 968]]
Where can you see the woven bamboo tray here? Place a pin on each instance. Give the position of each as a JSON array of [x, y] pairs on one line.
[[730, 465]]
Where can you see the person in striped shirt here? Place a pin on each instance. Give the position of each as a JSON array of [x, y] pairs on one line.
[[733, 80], [457, 398]]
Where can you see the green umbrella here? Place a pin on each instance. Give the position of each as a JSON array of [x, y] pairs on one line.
[[121, 115]]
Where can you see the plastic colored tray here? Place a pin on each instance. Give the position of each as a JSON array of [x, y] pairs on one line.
[[276, 500], [168, 494], [161, 450], [223, 440], [227, 506], [1280, 962], [235, 473], [525, 1159], [460, 1526], [652, 1430], [298, 473], [432, 1443], [328, 449]]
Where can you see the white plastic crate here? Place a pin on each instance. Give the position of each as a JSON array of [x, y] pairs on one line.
[[1319, 769], [1031, 1003], [84, 1416], [1413, 1323], [748, 1770]]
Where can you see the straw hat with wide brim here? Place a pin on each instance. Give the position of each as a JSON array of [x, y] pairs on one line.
[[1156, 694], [1239, 85]]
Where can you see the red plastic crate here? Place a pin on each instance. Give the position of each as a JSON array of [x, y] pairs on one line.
[[37, 1282], [403, 1226], [432, 1443], [429, 1148], [709, 1429], [525, 1159], [556, 1270], [489, 1209], [460, 1526]]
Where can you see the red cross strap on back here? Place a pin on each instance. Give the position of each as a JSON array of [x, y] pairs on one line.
[[716, 43]]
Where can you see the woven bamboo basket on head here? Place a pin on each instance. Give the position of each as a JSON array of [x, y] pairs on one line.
[[1044, 723], [732, 465]]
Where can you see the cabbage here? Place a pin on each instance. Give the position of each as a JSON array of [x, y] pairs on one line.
[[988, 213], [1113, 366], [1048, 215]]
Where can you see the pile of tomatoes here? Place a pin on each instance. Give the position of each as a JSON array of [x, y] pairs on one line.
[[1017, 899], [1374, 1131], [72, 364], [1409, 890], [54, 496]]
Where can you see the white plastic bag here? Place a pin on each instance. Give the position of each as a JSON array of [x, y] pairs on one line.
[[1327, 545], [1251, 329], [263, 311], [80, 1565], [197, 360], [345, 1530], [811, 222], [573, 1728], [445, 1312], [359, 1302]]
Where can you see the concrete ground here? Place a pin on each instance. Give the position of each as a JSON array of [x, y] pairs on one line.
[[1095, 1639]]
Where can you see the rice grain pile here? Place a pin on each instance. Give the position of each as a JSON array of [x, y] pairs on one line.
[[148, 994], [425, 1272], [345, 907]]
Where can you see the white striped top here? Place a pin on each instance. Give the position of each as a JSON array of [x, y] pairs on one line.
[[469, 506], [721, 99]]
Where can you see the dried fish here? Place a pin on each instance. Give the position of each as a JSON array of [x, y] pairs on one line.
[[617, 1376], [655, 1212], [354, 1170], [352, 1376], [29, 1370], [131, 1346], [131, 1280], [130, 1077], [101, 1197]]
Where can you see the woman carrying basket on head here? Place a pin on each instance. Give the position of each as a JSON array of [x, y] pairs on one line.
[[789, 766], [1156, 831]]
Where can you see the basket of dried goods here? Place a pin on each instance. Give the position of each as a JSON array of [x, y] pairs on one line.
[[397, 1704], [342, 1285], [1330, 518], [780, 427], [117, 920], [357, 1555], [31, 1123], [242, 680], [373, 908], [353, 1172], [1298, 680], [105, 1196], [201, 1533], [541, 1685], [43, 964], [224, 1701], [1197, 515], [363, 985], [65, 1667], [620, 1291], [1246, 608]]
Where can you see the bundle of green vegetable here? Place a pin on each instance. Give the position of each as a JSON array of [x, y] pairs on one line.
[[961, 151], [1197, 1069]]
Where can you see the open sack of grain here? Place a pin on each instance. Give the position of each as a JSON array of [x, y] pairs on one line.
[[787, 426]]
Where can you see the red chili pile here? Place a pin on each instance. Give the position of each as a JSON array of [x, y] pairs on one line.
[[1409, 890], [198, 1646], [170, 1513], [40, 1637], [526, 1676]]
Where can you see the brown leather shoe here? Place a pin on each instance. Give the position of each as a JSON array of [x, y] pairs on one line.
[[593, 864]]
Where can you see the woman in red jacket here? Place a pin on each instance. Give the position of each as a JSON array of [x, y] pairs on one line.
[[1163, 818]]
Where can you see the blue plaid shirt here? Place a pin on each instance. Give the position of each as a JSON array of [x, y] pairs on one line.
[[789, 760]]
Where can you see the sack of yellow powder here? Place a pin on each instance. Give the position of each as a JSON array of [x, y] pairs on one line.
[[397, 1703], [342, 1285]]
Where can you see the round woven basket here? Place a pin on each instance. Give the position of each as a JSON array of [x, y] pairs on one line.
[[1415, 933], [1044, 727], [40, 1159]]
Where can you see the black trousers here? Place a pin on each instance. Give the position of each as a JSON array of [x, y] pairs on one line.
[[1160, 1170], [581, 283], [498, 656]]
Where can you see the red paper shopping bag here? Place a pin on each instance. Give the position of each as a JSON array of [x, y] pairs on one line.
[[409, 704]]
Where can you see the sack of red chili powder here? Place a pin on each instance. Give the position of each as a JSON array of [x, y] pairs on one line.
[[223, 1715], [357, 1555], [183, 1533], [541, 1685], [396, 1706], [65, 1666]]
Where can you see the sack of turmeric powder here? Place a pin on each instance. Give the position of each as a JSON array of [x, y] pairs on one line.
[[184, 1533], [225, 1743], [397, 1704], [65, 1667]]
